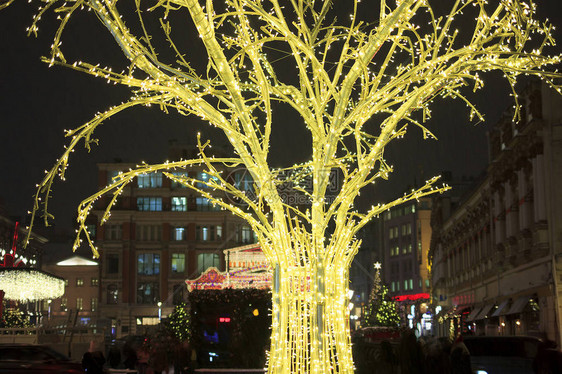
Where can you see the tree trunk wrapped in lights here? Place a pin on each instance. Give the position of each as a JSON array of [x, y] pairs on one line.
[[344, 74]]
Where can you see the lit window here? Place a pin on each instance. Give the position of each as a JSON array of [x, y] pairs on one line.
[[181, 174], [391, 233], [405, 285], [79, 282], [94, 304], [393, 286], [404, 249], [94, 281], [178, 262], [244, 181], [112, 294], [203, 204], [178, 233], [152, 180], [66, 282], [148, 293], [409, 229], [205, 178], [411, 282], [148, 264], [91, 229], [219, 232], [150, 204], [207, 260], [179, 204], [111, 174], [63, 302], [79, 303], [410, 248]]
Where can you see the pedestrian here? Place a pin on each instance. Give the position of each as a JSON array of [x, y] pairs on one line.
[[159, 360], [93, 360], [411, 357], [460, 357], [387, 363]]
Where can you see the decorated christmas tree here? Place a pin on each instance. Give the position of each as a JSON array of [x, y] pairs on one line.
[[381, 310], [180, 323]]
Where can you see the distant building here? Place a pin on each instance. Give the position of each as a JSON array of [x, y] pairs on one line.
[[80, 303], [159, 234], [406, 237], [497, 256]]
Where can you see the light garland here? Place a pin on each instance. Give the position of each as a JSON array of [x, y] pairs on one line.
[[346, 74], [25, 284]]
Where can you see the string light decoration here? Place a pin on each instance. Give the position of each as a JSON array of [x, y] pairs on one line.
[[26, 284], [345, 73]]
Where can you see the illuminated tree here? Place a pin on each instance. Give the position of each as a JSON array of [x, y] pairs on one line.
[[344, 73], [381, 309], [179, 322]]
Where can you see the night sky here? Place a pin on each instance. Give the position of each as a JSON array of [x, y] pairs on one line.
[[38, 103]]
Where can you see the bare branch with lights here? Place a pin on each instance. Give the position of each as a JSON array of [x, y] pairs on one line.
[[344, 74]]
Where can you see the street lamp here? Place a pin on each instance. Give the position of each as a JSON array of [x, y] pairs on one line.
[[159, 311]]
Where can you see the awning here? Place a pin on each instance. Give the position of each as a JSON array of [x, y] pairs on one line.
[[484, 312], [502, 309], [518, 305], [473, 314]]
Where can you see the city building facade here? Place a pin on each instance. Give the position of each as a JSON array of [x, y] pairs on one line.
[[496, 257], [406, 237], [160, 233], [79, 305]]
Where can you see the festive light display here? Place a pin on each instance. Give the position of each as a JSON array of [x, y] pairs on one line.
[[381, 310], [179, 322], [25, 284], [344, 73]]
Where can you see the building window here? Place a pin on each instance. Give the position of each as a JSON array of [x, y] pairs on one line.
[[404, 250], [79, 282], [411, 282], [205, 178], [246, 235], [391, 233], [219, 232], [179, 204], [79, 303], [178, 233], [207, 260], [91, 229], [410, 248], [111, 174], [152, 180], [113, 232], [94, 281], [178, 262], [63, 303], [203, 204], [149, 204], [66, 282], [409, 229], [244, 181], [179, 174], [393, 286], [94, 304], [149, 232], [112, 294], [112, 263], [148, 293], [148, 264]]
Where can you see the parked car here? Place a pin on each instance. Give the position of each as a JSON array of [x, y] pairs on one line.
[[35, 359], [512, 355]]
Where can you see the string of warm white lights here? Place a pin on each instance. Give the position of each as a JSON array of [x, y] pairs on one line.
[[346, 74], [26, 284]]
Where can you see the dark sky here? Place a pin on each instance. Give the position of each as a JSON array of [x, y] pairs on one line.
[[37, 103]]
